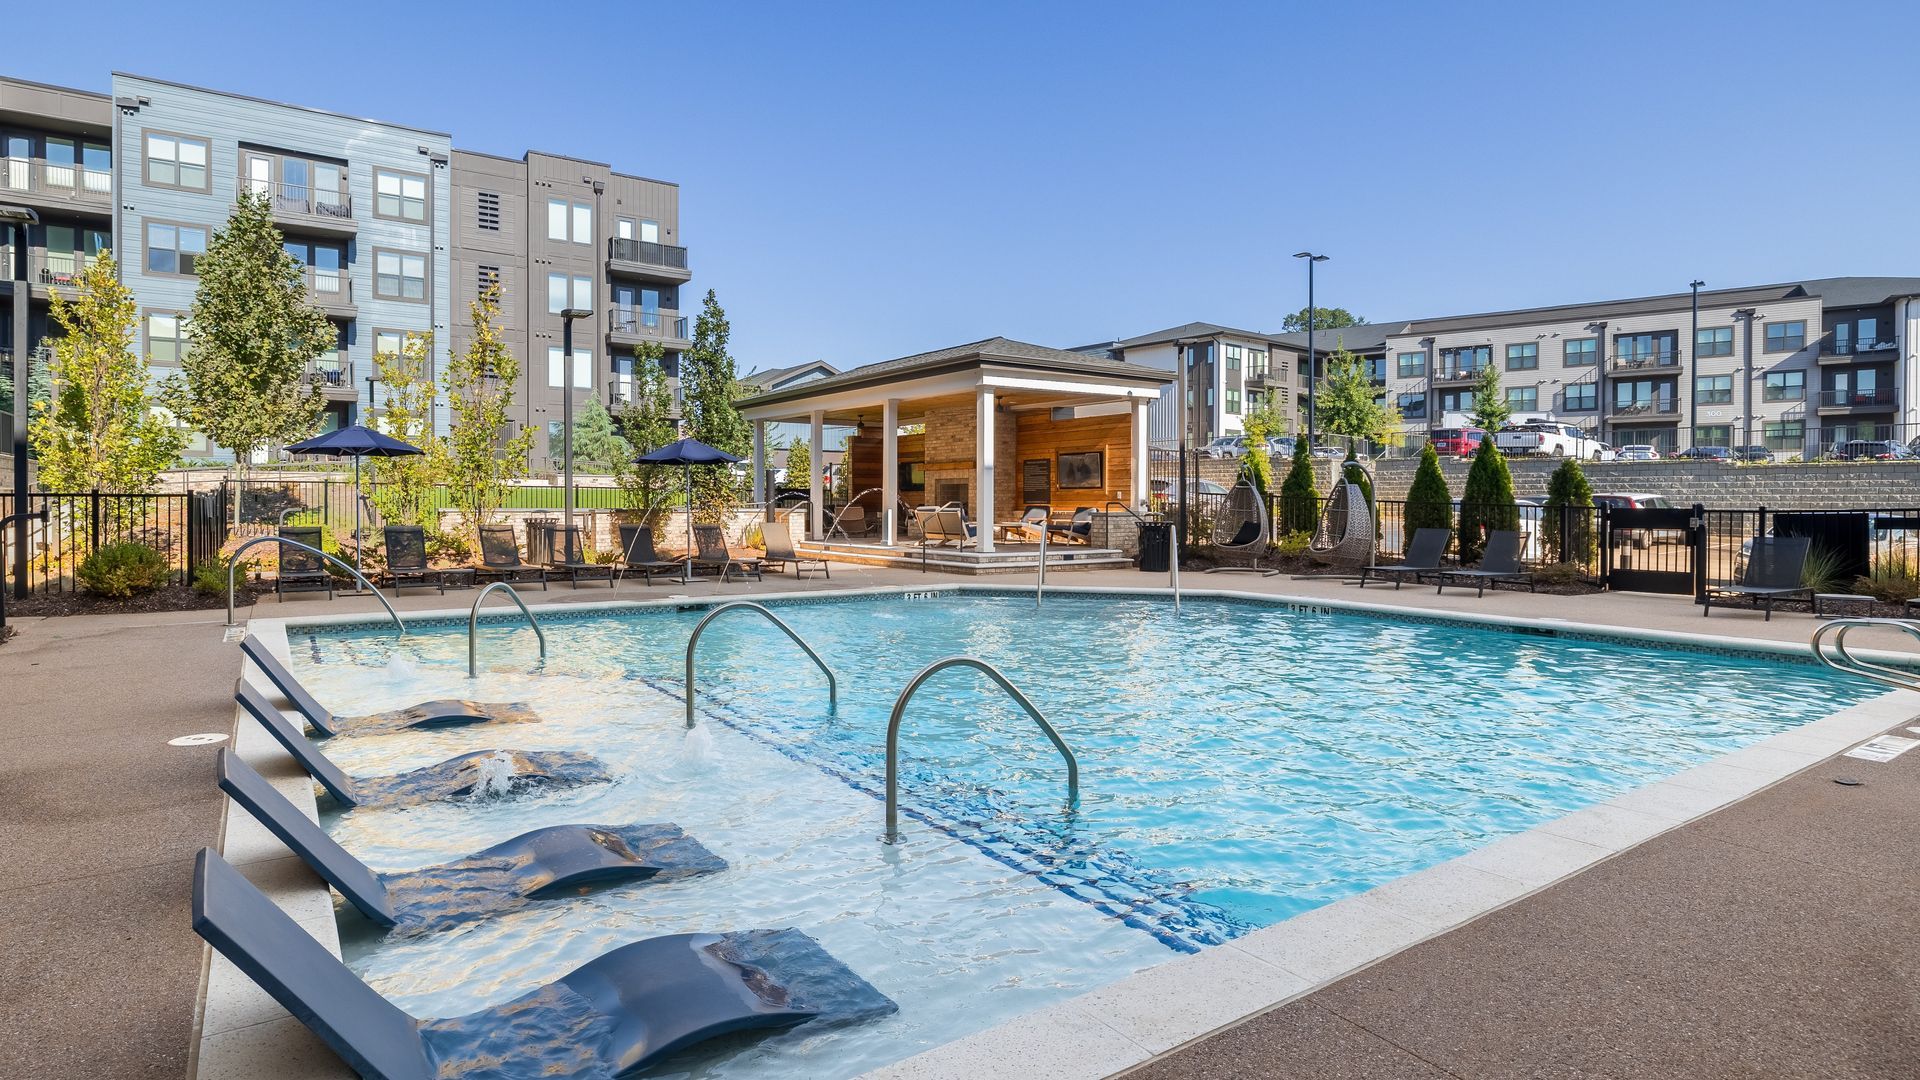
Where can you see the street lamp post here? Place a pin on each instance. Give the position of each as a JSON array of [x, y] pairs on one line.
[[567, 318], [1693, 368], [1313, 355], [19, 217]]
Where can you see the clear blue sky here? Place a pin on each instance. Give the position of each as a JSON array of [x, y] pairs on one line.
[[862, 181]]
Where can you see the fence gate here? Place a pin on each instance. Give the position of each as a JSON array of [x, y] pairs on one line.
[[1655, 549]]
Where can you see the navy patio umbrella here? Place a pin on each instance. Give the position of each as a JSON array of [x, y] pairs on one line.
[[687, 453], [357, 441]]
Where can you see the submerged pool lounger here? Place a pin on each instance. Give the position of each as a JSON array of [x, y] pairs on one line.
[[444, 712], [515, 770], [611, 1016], [539, 864]]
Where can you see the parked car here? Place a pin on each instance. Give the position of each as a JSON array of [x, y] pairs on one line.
[[1226, 446], [1170, 489], [1639, 452], [1456, 442], [1330, 452], [1608, 453], [1706, 453], [1640, 500], [1752, 455], [1870, 450], [1547, 439]]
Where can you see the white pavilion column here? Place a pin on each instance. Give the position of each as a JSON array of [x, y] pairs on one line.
[[816, 501], [890, 472], [760, 462], [1141, 459], [983, 471]]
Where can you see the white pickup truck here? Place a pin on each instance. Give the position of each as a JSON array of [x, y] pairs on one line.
[[1549, 440]]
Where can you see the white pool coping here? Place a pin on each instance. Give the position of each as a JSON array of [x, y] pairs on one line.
[[243, 1033]]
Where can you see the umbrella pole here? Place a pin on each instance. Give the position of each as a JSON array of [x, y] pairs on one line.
[[688, 574], [356, 520]]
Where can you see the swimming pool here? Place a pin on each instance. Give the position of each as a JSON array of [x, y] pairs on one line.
[[1241, 763]]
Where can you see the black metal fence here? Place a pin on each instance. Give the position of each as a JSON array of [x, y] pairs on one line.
[[1846, 545], [185, 528]]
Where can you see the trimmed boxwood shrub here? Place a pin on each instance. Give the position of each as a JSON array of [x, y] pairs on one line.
[[124, 570]]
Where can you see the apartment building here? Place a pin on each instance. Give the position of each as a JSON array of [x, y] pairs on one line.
[[1229, 373], [395, 230], [558, 233], [1797, 367]]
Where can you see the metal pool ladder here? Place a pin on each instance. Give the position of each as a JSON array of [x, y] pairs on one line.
[[473, 625], [233, 563], [833, 681], [1903, 678], [900, 708]]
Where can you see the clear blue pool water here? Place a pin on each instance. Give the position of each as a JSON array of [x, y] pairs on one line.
[[1240, 763]]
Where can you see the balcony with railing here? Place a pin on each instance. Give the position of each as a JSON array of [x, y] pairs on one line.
[[47, 269], [333, 374], [1451, 375], [331, 291], [645, 259], [307, 208], [1646, 410], [1838, 348], [1838, 402], [56, 184], [1655, 361], [632, 326]]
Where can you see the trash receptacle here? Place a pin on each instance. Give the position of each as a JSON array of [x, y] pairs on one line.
[[540, 540], [1156, 543]]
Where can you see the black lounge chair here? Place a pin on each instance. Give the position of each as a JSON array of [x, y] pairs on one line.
[[1500, 562], [711, 553], [1423, 557], [550, 862], [1776, 570], [441, 712], [468, 774], [301, 571], [571, 559], [500, 558], [612, 1016], [407, 559], [778, 541], [636, 553]]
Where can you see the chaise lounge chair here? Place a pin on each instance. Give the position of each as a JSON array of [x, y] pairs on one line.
[[636, 553], [1776, 570], [500, 558], [948, 525], [441, 712], [1079, 527], [780, 551], [1423, 557], [407, 559], [571, 559], [711, 553], [1500, 562], [551, 862], [301, 571], [483, 771], [612, 1016]]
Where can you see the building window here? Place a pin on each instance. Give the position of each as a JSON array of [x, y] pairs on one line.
[[569, 221], [1714, 435], [388, 342], [560, 296], [1233, 402], [557, 368], [1784, 386], [1409, 365], [172, 249], [1465, 360], [1456, 401], [1713, 389], [1413, 406], [1257, 362], [487, 211], [398, 195], [1233, 358], [177, 161], [399, 276], [1523, 398], [1524, 357], [484, 278], [1784, 434], [1209, 397], [1714, 341], [1582, 397], [1639, 350], [167, 341], [1786, 336], [1582, 352]]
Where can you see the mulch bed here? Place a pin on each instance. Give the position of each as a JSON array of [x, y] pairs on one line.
[[167, 598]]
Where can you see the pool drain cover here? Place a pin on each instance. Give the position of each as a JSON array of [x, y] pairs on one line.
[[1846, 781], [202, 739]]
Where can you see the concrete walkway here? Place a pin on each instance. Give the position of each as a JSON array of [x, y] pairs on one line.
[[100, 819]]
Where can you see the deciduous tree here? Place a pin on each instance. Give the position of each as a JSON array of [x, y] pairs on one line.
[[1348, 403], [1325, 318], [400, 486], [480, 459]]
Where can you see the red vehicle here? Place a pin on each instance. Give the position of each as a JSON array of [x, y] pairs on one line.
[[1457, 441]]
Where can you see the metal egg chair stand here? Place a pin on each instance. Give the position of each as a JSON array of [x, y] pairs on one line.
[[1346, 534], [1242, 529]]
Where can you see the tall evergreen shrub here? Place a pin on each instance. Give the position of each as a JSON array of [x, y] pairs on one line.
[[1299, 499], [1568, 525], [1487, 504], [1429, 503]]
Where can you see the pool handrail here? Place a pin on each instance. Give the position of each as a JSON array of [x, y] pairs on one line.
[[900, 708], [833, 681], [1040, 582], [1173, 563], [1850, 664], [473, 625], [233, 563]]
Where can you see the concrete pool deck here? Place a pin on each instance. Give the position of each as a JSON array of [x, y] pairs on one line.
[[158, 677]]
